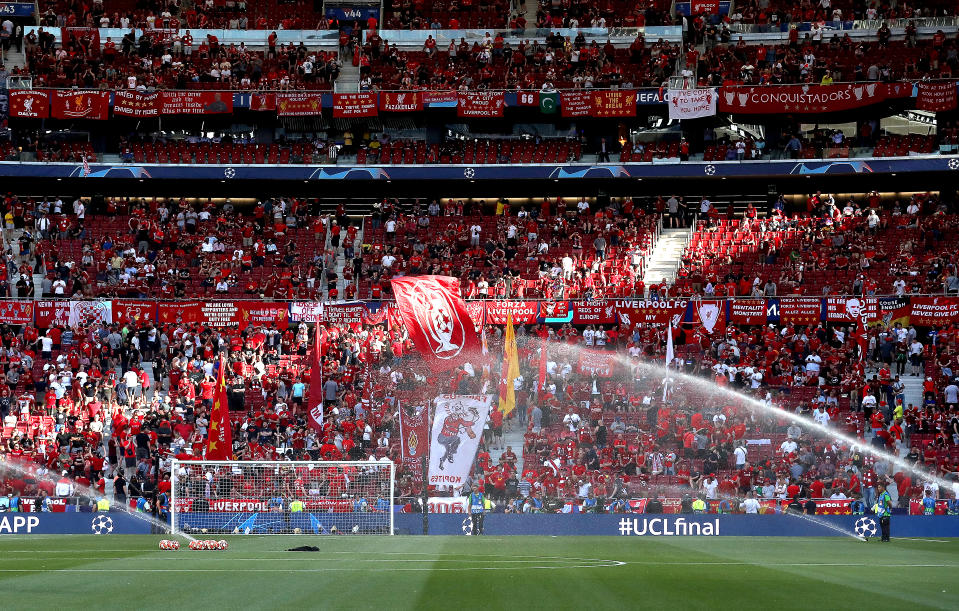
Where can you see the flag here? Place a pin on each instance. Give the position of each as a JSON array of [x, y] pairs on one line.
[[316, 379], [507, 394], [542, 369], [548, 102], [219, 441], [670, 355], [437, 320], [862, 338]]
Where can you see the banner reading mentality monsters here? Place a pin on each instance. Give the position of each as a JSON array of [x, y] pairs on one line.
[[457, 428]]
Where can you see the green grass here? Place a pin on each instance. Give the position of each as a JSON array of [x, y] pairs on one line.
[[480, 572]]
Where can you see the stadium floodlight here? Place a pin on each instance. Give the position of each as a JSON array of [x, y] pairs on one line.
[[282, 497]]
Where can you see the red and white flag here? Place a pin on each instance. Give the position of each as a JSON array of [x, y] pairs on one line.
[[437, 320], [316, 379]]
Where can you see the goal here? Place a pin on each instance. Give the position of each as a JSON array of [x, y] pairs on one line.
[[282, 498]]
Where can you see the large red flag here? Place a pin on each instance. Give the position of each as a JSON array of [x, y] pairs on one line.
[[437, 320], [219, 441], [316, 379]]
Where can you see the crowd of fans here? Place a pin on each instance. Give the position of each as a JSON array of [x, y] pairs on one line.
[[107, 405]]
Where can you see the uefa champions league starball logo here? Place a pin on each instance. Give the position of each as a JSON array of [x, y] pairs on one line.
[[710, 169], [469, 172], [467, 526], [102, 525], [865, 527], [954, 164], [229, 172]]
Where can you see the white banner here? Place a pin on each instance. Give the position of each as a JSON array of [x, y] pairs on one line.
[[457, 428], [87, 313], [306, 311], [691, 103]]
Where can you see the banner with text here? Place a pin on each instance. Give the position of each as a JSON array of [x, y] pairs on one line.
[[786, 99], [614, 104], [458, 424], [642, 311], [936, 96], [135, 104], [401, 101], [80, 104], [480, 104], [347, 105], [195, 102], [523, 312], [692, 103], [29, 104], [575, 103]]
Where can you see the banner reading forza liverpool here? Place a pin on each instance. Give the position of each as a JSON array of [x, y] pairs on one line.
[[457, 427]]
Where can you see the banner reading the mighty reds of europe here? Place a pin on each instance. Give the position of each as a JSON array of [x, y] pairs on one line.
[[454, 438]]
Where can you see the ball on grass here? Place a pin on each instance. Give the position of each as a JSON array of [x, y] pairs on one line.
[[297, 531], [356, 528], [333, 529], [176, 544], [221, 544]]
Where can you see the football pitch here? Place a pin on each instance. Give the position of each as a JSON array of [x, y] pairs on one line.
[[412, 572]]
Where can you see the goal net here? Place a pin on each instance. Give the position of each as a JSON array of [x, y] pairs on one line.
[[282, 498]]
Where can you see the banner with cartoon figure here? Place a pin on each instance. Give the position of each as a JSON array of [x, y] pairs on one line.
[[457, 428]]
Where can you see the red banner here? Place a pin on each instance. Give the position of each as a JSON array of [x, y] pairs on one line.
[[135, 104], [553, 309], [16, 312], [708, 7], [260, 313], [263, 101], [80, 104], [30, 104], [594, 313], [596, 362], [614, 103], [437, 320], [711, 315], [347, 105], [196, 102], [298, 104], [929, 311], [523, 312], [344, 313], [414, 439], [576, 103], [800, 310], [938, 96], [49, 313], [187, 312], [807, 98], [401, 101], [527, 98], [747, 311], [633, 311], [127, 310], [477, 311], [480, 104]]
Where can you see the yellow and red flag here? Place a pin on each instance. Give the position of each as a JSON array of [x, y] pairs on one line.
[[219, 441]]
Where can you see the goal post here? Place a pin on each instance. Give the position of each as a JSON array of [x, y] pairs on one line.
[[282, 497]]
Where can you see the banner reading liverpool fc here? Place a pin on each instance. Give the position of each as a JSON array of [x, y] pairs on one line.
[[457, 428], [480, 104], [437, 320]]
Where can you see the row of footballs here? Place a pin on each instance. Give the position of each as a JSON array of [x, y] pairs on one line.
[[167, 544]]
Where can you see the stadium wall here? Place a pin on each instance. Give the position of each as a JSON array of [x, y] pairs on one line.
[[666, 525]]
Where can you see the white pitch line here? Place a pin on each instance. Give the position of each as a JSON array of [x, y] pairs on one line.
[[929, 540], [319, 570], [794, 564]]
